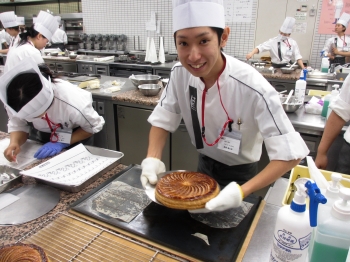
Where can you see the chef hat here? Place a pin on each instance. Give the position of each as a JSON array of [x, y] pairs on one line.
[[344, 19], [195, 13], [40, 103], [287, 26], [46, 24], [8, 19], [58, 19], [20, 20]]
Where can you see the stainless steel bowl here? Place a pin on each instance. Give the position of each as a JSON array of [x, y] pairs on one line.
[[144, 79], [72, 56], [54, 54], [149, 89], [292, 105], [287, 70]]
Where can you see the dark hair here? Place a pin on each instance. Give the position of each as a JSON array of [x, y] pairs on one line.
[[13, 27], [344, 28], [219, 32], [24, 87], [29, 32]]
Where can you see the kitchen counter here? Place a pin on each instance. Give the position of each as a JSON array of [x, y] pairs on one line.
[[59, 58], [11, 234]]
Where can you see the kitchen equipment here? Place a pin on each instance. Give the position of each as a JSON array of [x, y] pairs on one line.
[[105, 42], [81, 78], [174, 228], [292, 106], [289, 96], [144, 79], [14, 181], [73, 25], [149, 89], [86, 241], [77, 187], [98, 42], [72, 56], [34, 201], [53, 53], [320, 75], [287, 70]]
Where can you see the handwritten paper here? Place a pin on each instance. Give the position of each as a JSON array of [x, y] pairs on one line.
[[238, 11], [70, 168]]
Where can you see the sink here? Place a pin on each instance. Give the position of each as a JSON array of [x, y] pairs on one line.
[[341, 76]]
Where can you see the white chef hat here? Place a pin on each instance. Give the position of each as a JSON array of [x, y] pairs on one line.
[[40, 103], [46, 24], [8, 19], [344, 19], [287, 26], [20, 20], [58, 19], [195, 13]]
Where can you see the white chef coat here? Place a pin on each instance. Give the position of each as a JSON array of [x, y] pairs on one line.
[[14, 41], [343, 44], [4, 38], [341, 105], [59, 36], [245, 94], [15, 55], [271, 45], [72, 107]]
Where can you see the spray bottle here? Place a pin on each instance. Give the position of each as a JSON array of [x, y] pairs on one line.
[[300, 86], [332, 236], [294, 223]]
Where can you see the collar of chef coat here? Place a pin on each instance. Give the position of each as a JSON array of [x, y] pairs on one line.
[[40, 103]]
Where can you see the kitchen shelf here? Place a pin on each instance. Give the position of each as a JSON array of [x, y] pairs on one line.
[[24, 2]]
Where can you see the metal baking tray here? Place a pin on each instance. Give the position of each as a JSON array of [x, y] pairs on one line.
[[12, 182], [320, 75], [95, 151]]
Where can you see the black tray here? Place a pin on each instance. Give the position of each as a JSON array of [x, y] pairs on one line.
[[174, 228]]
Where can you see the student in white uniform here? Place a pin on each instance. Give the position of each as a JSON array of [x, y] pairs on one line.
[[9, 21], [229, 110], [282, 48], [59, 38], [338, 47], [5, 39], [339, 116], [60, 111], [34, 39]]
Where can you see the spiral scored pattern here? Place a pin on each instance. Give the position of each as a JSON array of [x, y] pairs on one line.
[[22, 252], [186, 190]]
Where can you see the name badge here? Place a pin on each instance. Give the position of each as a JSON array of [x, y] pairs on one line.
[[346, 49], [64, 135], [289, 52], [231, 142]]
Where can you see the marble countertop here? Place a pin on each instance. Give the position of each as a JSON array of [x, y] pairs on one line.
[[11, 234]]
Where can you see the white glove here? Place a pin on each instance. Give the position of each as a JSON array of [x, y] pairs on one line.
[[230, 197], [151, 167]]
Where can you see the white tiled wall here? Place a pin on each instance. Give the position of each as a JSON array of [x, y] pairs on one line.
[[129, 17]]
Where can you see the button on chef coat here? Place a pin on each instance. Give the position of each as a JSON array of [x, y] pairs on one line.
[[72, 107], [245, 94], [341, 105], [340, 44], [17, 54], [59, 36], [272, 46]]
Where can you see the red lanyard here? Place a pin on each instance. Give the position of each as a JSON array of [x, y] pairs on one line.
[[53, 128], [287, 43], [344, 43], [229, 120]]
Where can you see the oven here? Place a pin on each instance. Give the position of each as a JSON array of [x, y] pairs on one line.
[[126, 70]]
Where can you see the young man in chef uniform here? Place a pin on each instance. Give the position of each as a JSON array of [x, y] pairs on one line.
[[34, 39], [228, 107], [282, 48], [59, 38]]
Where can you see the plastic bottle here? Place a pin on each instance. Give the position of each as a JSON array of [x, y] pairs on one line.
[[326, 100], [300, 86], [332, 236], [294, 224], [334, 94], [325, 65]]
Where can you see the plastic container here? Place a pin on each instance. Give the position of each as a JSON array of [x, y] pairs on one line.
[[293, 229], [334, 94], [332, 236], [325, 65], [326, 100], [300, 87]]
